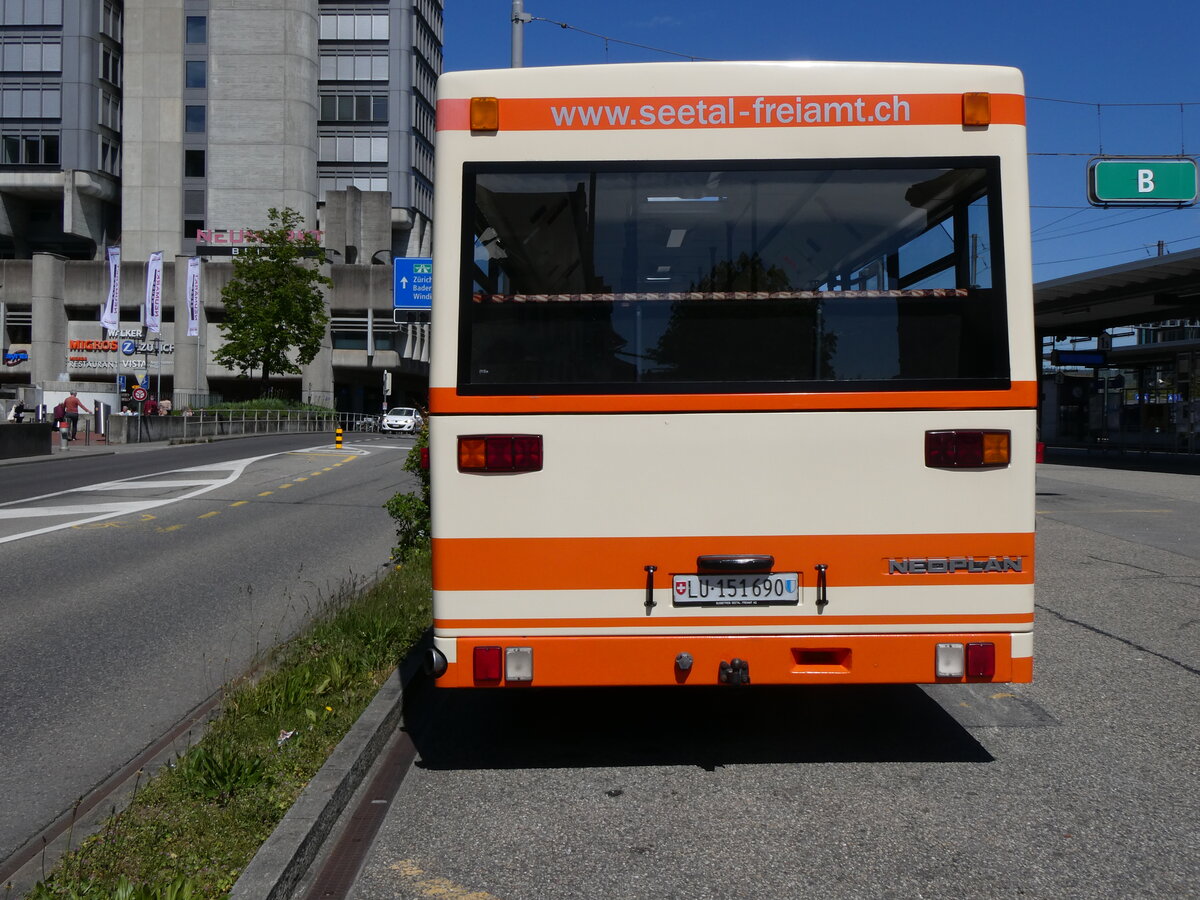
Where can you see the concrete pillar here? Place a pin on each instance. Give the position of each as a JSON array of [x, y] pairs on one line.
[[316, 379], [48, 347]]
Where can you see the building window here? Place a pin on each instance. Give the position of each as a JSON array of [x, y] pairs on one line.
[[193, 202], [110, 157], [361, 182], [31, 12], [190, 227], [30, 102], [29, 150], [31, 56], [110, 66], [197, 30], [193, 163], [194, 119], [347, 27], [352, 148], [354, 67], [195, 73], [110, 20], [110, 111], [353, 108]]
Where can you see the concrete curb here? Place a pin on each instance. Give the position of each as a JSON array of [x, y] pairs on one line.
[[284, 859]]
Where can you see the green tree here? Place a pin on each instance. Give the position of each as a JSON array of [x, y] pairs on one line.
[[275, 311]]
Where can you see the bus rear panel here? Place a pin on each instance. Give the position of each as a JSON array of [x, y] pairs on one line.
[[732, 377]]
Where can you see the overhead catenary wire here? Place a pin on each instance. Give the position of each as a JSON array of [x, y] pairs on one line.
[[612, 40], [1099, 106]]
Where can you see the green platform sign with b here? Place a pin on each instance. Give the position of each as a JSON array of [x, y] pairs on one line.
[[1114, 181]]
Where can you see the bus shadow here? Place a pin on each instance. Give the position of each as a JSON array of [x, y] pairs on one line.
[[704, 727]]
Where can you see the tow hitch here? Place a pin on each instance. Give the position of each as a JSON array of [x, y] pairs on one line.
[[735, 672]]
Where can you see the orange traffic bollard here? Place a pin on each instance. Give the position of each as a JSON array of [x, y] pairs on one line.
[[337, 439]]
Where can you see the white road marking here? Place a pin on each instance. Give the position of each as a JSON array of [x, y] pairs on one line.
[[84, 514]]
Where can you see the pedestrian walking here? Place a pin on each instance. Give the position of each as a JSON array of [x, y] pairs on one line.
[[71, 407]]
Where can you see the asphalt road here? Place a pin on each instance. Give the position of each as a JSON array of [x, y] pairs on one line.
[[137, 584], [1081, 785]]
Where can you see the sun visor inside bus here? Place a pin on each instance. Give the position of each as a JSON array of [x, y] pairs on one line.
[[956, 187]]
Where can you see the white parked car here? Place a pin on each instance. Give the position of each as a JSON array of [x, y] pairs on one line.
[[401, 420]]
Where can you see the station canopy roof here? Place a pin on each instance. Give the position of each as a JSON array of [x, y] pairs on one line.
[[1139, 293]]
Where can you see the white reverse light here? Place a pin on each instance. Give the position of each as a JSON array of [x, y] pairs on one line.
[[518, 664], [949, 661]]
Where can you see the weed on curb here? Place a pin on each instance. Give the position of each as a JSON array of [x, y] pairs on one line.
[[190, 831]]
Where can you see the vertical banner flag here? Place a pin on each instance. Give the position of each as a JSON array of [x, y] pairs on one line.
[[193, 296], [110, 312], [154, 292]]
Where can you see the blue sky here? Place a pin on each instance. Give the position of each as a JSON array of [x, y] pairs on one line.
[[1128, 70]]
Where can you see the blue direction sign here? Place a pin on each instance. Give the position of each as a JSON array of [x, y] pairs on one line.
[[412, 283]]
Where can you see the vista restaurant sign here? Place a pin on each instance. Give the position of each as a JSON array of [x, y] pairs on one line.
[[89, 354]]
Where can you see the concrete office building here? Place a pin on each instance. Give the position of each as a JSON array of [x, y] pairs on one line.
[[173, 126]]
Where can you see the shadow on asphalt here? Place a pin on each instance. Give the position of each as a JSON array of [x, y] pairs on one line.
[[704, 727], [1130, 460]]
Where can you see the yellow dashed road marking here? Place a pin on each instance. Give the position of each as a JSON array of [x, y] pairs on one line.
[[170, 528], [209, 515], [302, 479], [282, 486], [266, 493], [240, 503], [431, 886]]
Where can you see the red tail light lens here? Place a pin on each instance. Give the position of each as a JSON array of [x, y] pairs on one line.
[[981, 660], [487, 663], [500, 453], [963, 449], [527, 452], [424, 457]]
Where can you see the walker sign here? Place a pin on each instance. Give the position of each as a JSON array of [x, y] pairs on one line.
[[1142, 182], [412, 283]]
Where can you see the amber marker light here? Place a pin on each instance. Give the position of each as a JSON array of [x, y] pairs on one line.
[[472, 454], [485, 114], [977, 108], [996, 448]]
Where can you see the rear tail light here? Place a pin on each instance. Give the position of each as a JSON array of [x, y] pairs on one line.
[[966, 449], [500, 453], [487, 663], [976, 660], [981, 660]]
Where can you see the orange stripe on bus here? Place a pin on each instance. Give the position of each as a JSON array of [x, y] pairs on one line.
[[772, 659], [609, 563], [447, 401], [704, 113], [747, 621]]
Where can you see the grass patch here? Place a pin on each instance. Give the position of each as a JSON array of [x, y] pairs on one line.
[[191, 830], [265, 403]]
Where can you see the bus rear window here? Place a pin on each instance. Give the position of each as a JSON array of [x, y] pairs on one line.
[[857, 275]]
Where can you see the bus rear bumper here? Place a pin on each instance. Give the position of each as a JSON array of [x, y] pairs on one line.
[[616, 660]]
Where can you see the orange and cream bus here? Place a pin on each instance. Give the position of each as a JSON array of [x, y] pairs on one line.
[[733, 376]]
